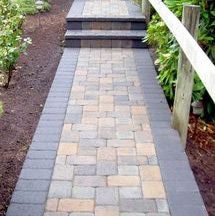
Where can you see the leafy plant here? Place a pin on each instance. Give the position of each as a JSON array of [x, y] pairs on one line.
[[1, 108], [11, 42], [167, 49], [29, 6]]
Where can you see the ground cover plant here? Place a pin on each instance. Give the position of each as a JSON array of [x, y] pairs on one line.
[[30, 6], [167, 50]]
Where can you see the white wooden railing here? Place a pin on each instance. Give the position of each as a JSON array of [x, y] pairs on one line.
[[192, 57]]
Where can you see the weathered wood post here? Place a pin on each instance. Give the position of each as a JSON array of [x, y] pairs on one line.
[[146, 9], [184, 85]]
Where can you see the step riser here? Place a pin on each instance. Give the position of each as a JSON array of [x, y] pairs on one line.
[[76, 43], [82, 25]]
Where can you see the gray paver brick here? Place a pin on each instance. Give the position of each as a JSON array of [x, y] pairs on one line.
[[63, 172], [85, 170], [106, 168], [83, 192], [38, 163], [128, 170], [127, 160], [107, 196], [32, 185], [60, 189], [162, 205], [25, 210], [90, 181], [81, 160], [31, 197], [41, 154], [92, 142], [130, 193], [137, 205], [36, 174]]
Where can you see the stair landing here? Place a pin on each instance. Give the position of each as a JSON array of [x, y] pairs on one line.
[[105, 24]]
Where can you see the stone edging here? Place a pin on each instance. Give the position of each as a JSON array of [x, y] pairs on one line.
[[30, 194], [182, 191]]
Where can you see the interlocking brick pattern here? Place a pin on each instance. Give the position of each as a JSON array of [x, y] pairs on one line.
[[103, 160], [105, 8]]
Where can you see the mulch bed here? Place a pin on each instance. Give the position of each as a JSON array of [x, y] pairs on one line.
[[201, 154], [26, 95]]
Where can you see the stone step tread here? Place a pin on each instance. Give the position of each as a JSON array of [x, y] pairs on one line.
[[105, 34], [76, 18], [79, 11]]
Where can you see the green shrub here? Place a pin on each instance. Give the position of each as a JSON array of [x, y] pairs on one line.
[[11, 42], [167, 50], [29, 6]]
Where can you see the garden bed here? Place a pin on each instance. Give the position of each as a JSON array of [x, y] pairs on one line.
[[26, 95], [201, 154]]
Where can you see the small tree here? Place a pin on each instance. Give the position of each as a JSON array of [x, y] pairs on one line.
[[11, 42]]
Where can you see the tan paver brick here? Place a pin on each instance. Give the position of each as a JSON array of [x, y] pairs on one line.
[[106, 107], [138, 110], [126, 151], [106, 122], [120, 143], [147, 149], [67, 127], [92, 121], [76, 205], [106, 153], [106, 99], [67, 149], [153, 189], [107, 211], [77, 88], [51, 205], [90, 108], [150, 173], [105, 81]]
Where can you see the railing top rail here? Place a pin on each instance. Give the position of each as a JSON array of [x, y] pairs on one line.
[[198, 59]]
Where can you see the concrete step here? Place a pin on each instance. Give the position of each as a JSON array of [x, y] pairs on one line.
[[106, 23], [105, 38]]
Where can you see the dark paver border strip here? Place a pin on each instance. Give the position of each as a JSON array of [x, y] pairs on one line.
[[182, 191], [30, 194], [133, 8], [77, 9]]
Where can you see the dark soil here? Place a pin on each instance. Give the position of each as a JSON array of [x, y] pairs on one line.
[[201, 154], [24, 99]]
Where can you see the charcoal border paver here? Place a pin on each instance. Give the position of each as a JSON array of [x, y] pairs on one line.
[[182, 191], [31, 191]]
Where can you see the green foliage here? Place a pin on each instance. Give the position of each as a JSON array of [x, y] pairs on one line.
[[1, 108], [29, 6], [167, 49], [11, 42], [26, 6]]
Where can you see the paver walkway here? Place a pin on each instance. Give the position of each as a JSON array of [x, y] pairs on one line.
[[106, 161], [104, 145]]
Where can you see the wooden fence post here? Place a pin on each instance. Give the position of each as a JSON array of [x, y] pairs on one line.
[[146, 9], [184, 85]]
